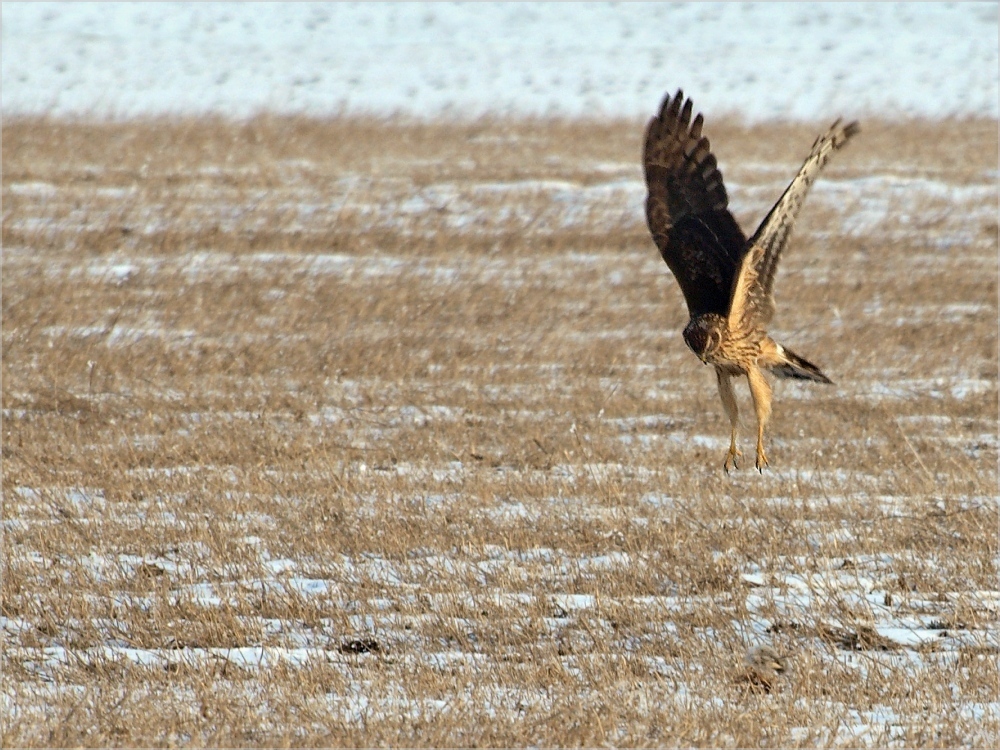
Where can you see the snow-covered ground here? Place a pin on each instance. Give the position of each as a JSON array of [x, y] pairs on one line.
[[848, 614], [760, 61]]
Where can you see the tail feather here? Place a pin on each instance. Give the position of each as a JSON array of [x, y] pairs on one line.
[[796, 367]]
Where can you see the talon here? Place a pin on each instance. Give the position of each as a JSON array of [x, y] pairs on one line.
[[733, 457], [761, 461]]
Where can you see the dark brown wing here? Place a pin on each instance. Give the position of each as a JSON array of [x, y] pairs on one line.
[[687, 209]]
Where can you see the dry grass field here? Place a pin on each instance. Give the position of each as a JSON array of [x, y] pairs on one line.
[[362, 432]]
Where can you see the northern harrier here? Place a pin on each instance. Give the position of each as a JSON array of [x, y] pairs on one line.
[[727, 279]]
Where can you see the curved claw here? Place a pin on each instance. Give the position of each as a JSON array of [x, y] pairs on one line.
[[761, 460], [732, 457]]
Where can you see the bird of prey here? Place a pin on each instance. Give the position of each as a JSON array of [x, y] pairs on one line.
[[726, 279]]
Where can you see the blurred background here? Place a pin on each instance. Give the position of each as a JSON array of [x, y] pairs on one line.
[[759, 61]]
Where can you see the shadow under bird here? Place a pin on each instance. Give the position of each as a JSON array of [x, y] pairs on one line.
[[727, 279]]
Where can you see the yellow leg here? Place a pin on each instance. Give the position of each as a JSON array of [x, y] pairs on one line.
[[732, 411], [760, 389]]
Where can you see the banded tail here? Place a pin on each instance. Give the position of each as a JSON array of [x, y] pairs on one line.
[[798, 368]]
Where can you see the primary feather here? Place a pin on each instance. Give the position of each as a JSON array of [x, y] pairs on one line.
[[753, 292], [687, 209]]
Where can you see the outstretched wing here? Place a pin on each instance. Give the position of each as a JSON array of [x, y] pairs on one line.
[[687, 209], [753, 297]]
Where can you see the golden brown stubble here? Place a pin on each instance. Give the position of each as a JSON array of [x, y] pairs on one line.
[[294, 384]]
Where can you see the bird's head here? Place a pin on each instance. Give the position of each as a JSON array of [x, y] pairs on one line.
[[704, 335]]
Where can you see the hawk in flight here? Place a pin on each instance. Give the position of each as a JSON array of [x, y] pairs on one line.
[[726, 279]]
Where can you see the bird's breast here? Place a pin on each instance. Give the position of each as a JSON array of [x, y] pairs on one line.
[[737, 352]]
